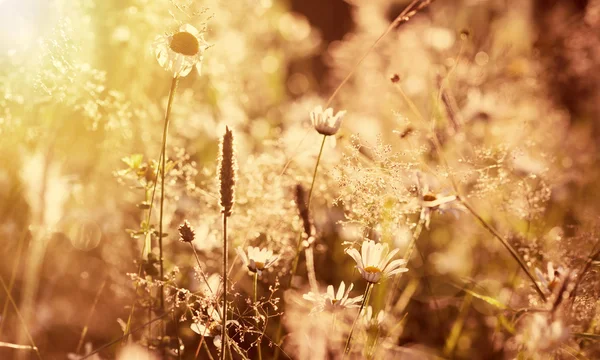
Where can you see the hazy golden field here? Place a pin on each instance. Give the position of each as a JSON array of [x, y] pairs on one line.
[[288, 179]]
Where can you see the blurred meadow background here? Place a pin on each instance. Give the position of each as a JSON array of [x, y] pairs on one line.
[[463, 138]]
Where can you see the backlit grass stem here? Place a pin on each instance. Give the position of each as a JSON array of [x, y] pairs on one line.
[[12, 301], [227, 178], [257, 313], [162, 188], [365, 301], [299, 246]]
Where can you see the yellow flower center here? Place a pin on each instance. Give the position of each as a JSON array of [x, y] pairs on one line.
[[372, 270], [185, 43], [259, 265], [333, 301]]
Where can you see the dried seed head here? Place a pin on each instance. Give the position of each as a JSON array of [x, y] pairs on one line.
[[186, 232], [303, 209], [227, 172]]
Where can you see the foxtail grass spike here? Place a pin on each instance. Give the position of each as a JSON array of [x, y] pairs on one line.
[[227, 172]]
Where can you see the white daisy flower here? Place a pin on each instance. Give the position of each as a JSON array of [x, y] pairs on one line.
[[370, 320], [325, 122], [178, 53], [332, 301], [257, 259], [212, 326], [375, 261], [432, 201]]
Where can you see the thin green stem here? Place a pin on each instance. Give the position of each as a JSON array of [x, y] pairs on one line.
[[362, 305], [201, 271], [299, 244], [504, 242], [312, 184], [224, 319], [89, 317], [407, 256], [333, 322], [149, 215], [162, 188], [12, 301], [257, 314]]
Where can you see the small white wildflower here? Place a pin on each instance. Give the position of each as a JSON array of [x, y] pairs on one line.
[[375, 261], [257, 259], [369, 319], [332, 301], [212, 326], [178, 53], [325, 122], [431, 202]]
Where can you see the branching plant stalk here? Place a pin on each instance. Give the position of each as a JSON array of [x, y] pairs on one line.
[[362, 305], [257, 313]]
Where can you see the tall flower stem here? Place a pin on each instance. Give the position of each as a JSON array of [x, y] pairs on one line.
[[257, 313], [506, 244], [162, 188], [204, 278], [362, 305], [224, 319], [298, 247], [407, 255], [310, 192], [227, 178], [149, 215]]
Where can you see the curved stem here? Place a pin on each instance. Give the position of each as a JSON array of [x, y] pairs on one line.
[[162, 187], [312, 184], [310, 261], [204, 278], [362, 305], [506, 244]]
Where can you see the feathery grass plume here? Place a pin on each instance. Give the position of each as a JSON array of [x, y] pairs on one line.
[[303, 209], [186, 232], [227, 172]]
